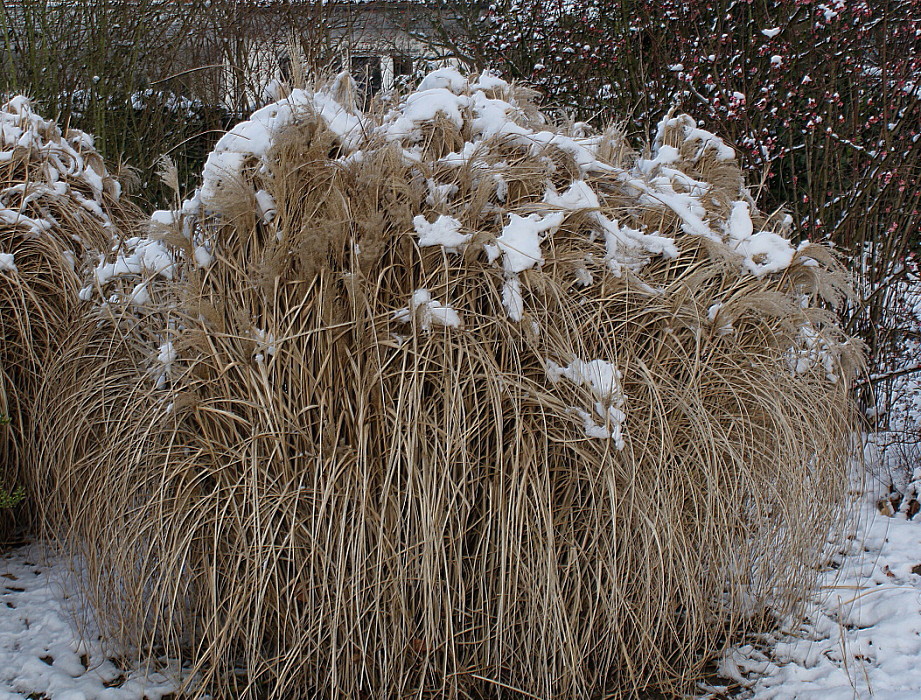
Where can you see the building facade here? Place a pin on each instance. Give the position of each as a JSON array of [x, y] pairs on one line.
[[380, 42]]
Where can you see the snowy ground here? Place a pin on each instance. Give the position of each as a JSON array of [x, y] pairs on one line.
[[42, 653], [861, 637], [862, 634]]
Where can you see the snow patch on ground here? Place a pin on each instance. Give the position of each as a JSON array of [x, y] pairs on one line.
[[47, 647], [861, 636]]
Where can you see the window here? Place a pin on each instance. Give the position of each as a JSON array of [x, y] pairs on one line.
[[366, 70], [402, 65]]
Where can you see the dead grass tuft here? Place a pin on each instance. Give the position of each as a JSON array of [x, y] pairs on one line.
[[58, 208], [325, 488]]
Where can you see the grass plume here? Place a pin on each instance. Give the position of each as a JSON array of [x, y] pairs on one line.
[[294, 469]]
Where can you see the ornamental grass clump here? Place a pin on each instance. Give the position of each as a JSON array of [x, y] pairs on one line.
[[446, 400], [59, 208]]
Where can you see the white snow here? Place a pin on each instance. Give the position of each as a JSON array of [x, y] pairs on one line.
[[140, 296], [424, 106], [490, 81], [521, 238], [265, 206], [66, 160], [485, 109], [625, 246], [462, 157], [519, 247], [265, 344], [813, 352], [164, 217], [690, 132], [139, 256], [50, 648], [8, 262], [221, 168], [667, 154], [438, 195], [449, 79], [579, 197], [512, 299], [685, 205], [428, 312], [603, 380], [203, 257], [444, 231], [763, 252], [861, 637], [167, 354], [251, 141]]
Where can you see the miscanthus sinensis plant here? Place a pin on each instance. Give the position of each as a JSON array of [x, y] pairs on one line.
[[445, 398]]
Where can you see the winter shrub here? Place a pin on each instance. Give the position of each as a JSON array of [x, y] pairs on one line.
[[449, 400], [59, 209]]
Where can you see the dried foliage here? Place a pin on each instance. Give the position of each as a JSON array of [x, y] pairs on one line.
[[287, 466], [58, 207], [821, 98]]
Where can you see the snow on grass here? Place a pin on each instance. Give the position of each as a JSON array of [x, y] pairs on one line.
[[47, 647], [66, 166], [516, 242], [521, 238], [488, 112], [603, 379], [444, 231], [250, 141], [428, 312], [763, 252]]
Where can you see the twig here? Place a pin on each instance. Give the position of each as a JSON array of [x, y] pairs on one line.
[[876, 378]]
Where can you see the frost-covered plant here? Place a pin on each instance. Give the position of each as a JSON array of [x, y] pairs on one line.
[[821, 97], [59, 209], [448, 398]]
